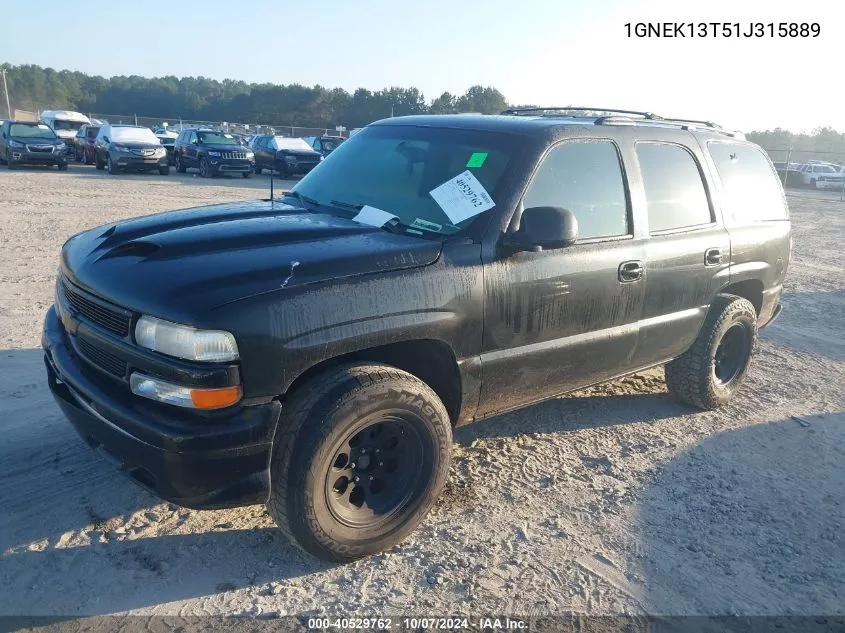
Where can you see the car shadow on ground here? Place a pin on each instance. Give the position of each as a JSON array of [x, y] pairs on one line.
[[748, 521], [810, 324]]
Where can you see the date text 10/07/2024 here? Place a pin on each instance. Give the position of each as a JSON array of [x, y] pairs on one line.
[[415, 624], [722, 29]]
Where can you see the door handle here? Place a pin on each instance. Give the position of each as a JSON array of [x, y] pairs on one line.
[[631, 271], [712, 257]]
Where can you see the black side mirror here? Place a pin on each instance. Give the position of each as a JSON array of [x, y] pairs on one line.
[[542, 228]]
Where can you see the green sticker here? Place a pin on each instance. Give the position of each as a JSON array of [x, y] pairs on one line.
[[477, 159], [425, 224]]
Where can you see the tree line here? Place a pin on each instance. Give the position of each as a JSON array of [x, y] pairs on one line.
[[199, 98]]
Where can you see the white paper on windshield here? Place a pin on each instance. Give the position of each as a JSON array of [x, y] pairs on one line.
[[373, 216], [462, 197], [42, 126]]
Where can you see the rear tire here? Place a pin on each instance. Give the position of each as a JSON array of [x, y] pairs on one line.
[[708, 374], [358, 460]]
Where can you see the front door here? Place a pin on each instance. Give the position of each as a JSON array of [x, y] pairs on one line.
[[561, 319]]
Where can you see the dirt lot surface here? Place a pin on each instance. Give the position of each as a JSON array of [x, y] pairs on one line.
[[613, 500]]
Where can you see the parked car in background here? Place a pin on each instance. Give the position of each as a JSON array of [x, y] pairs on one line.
[[789, 174], [167, 140], [284, 154], [129, 147], [820, 175], [324, 144], [65, 124], [31, 143], [83, 148], [212, 153]]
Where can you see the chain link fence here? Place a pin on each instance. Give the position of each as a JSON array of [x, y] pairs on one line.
[[810, 169], [176, 124]]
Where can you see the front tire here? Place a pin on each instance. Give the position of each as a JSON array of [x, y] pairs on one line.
[[358, 460], [164, 171], [98, 163], [258, 170], [180, 166], [708, 374], [247, 174], [113, 169], [62, 166], [205, 168]]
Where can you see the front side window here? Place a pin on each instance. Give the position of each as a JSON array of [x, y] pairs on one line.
[[586, 178], [674, 190], [752, 189]]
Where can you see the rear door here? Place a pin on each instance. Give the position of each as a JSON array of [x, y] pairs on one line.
[[689, 249], [560, 319]]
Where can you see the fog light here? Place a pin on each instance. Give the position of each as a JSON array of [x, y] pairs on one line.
[[180, 396]]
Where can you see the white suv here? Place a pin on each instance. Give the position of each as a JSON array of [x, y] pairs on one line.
[[821, 175]]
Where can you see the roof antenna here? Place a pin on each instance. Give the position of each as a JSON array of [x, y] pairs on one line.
[[271, 183]]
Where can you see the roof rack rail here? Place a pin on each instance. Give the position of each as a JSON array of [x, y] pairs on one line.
[[705, 123], [534, 110]]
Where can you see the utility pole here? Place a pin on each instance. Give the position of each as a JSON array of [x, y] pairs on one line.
[[6, 90]]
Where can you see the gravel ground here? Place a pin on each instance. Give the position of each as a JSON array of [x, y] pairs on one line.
[[614, 500]]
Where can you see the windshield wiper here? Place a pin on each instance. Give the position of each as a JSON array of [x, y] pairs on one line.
[[346, 205], [305, 200]]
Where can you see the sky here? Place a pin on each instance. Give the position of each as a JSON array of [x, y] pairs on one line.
[[547, 52]]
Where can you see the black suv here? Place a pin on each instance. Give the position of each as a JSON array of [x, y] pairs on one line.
[[29, 143], [129, 147], [213, 153], [284, 154], [315, 352]]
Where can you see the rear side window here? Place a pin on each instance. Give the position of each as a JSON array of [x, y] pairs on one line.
[[586, 178], [674, 190], [752, 189]]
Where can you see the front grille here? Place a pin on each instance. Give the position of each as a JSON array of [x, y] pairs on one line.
[[147, 153], [40, 149], [233, 155], [101, 358], [112, 320]]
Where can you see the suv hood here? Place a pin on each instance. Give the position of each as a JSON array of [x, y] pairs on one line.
[[224, 148], [137, 144], [299, 153], [179, 264]]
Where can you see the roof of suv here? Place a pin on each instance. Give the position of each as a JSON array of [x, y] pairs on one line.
[[533, 124]]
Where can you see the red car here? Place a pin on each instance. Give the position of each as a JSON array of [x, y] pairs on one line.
[[83, 143]]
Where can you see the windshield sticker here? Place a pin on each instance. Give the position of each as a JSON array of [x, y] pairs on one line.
[[462, 197], [227, 136], [425, 224], [373, 217], [42, 126], [477, 159]]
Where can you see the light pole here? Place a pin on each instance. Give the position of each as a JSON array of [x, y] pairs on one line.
[[6, 90]]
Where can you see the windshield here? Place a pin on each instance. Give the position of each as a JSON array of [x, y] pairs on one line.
[[91, 132], [132, 135], [32, 130], [396, 169], [217, 138], [283, 142], [59, 124], [330, 144]]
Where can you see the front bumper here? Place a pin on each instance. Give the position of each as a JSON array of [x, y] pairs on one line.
[[193, 460], [130, 161], [228, 166], [26, 157], [286, 167]]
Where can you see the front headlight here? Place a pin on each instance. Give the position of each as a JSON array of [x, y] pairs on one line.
[[215, 154], [160, 151], [290, 159], [60, 148], [16, 144], [183, 341], [122, 148], [250, 155]]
